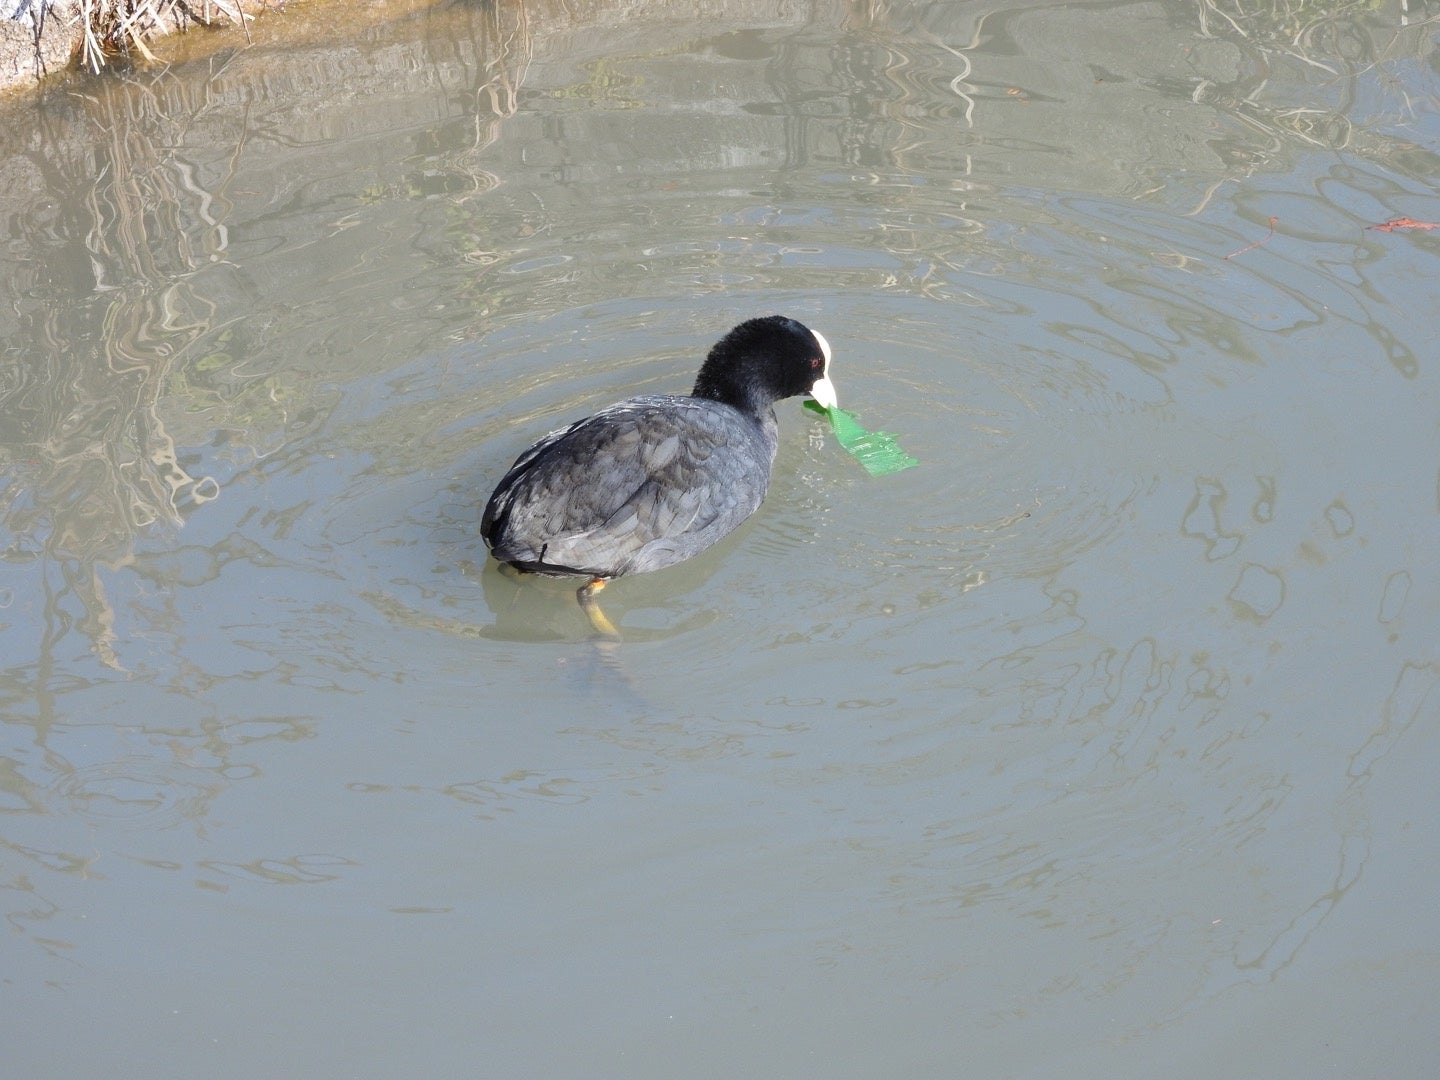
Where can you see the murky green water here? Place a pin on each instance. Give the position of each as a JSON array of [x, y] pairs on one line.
[[1102, 744]]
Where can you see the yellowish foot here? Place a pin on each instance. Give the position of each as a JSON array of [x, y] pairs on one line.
[[588, 604]]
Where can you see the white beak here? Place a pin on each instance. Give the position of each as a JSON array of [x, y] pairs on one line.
[[824, 390]]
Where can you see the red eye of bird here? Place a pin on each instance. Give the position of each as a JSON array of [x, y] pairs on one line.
[[815, 364]]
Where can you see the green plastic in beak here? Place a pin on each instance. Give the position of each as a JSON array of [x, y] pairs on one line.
[[877, 451]]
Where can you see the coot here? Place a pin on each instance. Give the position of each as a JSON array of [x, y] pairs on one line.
[[651, 481]]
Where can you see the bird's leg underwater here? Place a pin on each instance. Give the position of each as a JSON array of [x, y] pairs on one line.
[[588, 604]]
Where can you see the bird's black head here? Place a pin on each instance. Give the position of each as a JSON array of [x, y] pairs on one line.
[[763, 360]]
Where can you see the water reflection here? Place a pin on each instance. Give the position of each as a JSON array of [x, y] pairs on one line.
[[135, 324], [1077, 721]]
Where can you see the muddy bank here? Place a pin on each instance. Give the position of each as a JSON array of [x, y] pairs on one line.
[[42, 39], [36, 37]]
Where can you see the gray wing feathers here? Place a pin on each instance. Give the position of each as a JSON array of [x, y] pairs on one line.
[[634, 487]]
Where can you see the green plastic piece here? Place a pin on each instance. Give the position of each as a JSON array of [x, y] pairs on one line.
[[877, 451]]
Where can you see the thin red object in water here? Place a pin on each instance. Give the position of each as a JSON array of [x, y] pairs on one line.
[[1257, 243], [1404, 223]]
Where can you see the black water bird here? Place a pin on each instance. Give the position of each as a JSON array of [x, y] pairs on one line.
[[651, 481]]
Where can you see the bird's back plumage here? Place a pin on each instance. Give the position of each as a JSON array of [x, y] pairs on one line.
[[637, 486]]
